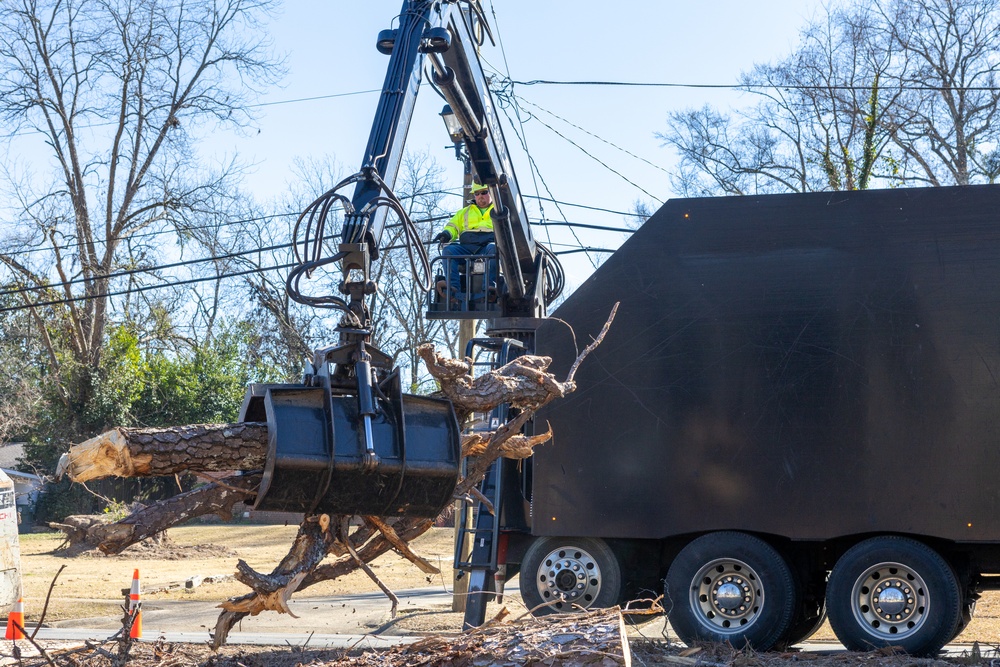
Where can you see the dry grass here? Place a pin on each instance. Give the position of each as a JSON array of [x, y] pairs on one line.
[[92, 583]]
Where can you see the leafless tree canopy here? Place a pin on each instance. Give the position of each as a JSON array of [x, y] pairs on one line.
[[118, 91], [885, 93]]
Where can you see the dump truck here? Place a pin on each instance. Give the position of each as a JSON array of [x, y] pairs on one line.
[[795, 415]]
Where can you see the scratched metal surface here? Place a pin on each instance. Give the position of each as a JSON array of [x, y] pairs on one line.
[[802, 365]]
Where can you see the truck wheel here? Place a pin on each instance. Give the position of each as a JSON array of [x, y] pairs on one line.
[[894, 591], [804, 626], [810, 606], [730, 587], [561, 574]]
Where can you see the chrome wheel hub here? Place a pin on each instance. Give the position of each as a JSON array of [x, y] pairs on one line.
[[727, 595], [568, 575], [890, 600]]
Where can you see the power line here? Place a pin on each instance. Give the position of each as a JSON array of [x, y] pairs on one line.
[[68, 246], [600, 161], [581, 225], [531, 159], [191, 262], [596, 136], [258, 105], [754, 86], [262, 218], [591, 208], [147, 288], [313, 99], [531, 163], [150, 269], [234, 255], [587, 249]]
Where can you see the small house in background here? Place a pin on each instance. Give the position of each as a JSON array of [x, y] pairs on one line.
[[27, 486]]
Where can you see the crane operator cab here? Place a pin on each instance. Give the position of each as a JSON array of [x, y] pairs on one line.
[[466, 273], [475, 293]]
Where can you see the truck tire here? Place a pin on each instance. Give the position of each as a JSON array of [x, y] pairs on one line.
[[562, 574], [894, 591], [730, 587], [804, 626], [810, 605]]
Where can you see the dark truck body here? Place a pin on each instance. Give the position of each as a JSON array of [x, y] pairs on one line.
[[810, 369]]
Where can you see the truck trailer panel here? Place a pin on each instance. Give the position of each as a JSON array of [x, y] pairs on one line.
[[808, 366]]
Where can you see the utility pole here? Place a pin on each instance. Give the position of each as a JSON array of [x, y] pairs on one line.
[[466, 332]]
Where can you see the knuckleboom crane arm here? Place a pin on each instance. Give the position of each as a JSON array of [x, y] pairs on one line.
[[347, 440], [443, 33]]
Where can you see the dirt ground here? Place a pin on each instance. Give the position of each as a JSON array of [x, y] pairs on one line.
[[91, 585]]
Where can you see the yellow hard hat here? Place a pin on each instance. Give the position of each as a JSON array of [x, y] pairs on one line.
[[479, 187]]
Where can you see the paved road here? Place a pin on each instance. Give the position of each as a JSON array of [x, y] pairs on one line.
[[341, 615]]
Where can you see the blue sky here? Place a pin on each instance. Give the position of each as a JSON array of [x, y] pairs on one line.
[[330, 50]]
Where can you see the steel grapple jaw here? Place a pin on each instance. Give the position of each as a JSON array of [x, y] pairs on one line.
[[333, 450]]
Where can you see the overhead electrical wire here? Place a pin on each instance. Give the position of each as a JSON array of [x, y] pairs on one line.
[[752, 87], [189, 262], [436, 218], [179, 230], [596, 136], [600, 161], [531, 159], [586, 249], [531, 163], [175, 230], [591, 208], [150, 269], [603, 228], [146, 288]]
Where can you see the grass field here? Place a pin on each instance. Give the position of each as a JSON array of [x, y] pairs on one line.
[[90, 584]]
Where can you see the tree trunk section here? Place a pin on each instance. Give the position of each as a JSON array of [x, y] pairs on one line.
[[218, 498], [156, 452]]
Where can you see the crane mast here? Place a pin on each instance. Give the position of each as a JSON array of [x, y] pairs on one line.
[[347, 440]]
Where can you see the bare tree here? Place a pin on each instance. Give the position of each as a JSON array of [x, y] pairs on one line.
[[944, 122], [817, 123], [20, 390], [120, 90], [896, 92]]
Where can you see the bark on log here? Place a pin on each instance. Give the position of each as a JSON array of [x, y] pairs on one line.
[[522, 383], [593, 639], [218, 498], [155, 452]]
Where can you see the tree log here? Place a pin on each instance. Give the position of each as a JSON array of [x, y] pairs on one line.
[[522, 383], [592, 639], [218, 498], [150, 452], [154, 452]]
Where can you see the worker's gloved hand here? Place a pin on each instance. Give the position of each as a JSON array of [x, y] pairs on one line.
[[443, 237]]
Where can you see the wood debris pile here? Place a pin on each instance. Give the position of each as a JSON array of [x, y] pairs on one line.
[[555, 641], [207, 450]]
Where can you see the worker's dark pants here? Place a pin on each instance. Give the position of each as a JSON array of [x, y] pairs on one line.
[[454, 266]]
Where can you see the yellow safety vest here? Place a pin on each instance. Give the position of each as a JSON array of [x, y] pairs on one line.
[[470, 219]]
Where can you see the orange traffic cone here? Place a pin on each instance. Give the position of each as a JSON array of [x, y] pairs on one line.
[[15, 621], [135, 608]]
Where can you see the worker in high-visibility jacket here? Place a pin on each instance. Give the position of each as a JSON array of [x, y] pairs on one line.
[[469, 232]]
